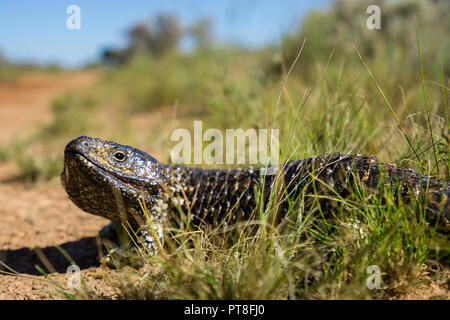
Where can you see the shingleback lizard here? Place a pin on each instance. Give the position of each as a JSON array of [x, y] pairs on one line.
[[113, 181]]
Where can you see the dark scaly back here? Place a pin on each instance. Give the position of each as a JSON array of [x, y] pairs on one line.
[[212, 195], [340, 172]]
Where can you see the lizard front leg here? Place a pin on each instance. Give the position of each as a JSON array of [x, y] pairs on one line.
[[123, 250]]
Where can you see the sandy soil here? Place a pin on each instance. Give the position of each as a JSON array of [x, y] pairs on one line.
[[26, 102], [35, 218]]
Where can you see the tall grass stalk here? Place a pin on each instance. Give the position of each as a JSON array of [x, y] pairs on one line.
[[436, 162], [391, 109]]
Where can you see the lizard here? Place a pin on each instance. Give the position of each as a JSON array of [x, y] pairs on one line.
[[120, 182]]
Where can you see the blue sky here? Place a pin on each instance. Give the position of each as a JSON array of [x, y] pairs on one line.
[[35, 31]]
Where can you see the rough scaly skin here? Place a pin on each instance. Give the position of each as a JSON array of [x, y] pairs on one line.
[[113, 181]]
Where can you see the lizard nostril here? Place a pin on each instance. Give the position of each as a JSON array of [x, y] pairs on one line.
[[85, 144]]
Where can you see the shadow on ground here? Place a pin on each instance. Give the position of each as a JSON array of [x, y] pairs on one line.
[[84, 253]]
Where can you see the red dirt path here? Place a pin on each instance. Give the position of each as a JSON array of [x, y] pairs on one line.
[[39, 215]]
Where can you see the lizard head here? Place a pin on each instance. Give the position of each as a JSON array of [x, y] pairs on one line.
[[108, 179]]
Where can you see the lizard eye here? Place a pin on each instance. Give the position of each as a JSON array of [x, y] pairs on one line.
[[119, 156]]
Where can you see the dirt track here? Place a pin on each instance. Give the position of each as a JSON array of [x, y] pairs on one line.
[[40, 215]]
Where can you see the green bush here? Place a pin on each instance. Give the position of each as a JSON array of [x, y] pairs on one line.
[[393, 47]]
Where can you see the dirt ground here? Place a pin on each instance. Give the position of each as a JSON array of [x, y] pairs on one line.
[[36, 217]]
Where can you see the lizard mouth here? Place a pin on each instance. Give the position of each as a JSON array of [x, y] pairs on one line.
[[101, 173], [97, 191]]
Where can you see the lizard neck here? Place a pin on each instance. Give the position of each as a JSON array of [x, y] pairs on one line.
[[212, 194]]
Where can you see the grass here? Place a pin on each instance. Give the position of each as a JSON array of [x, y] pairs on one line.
[[11, 72]]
